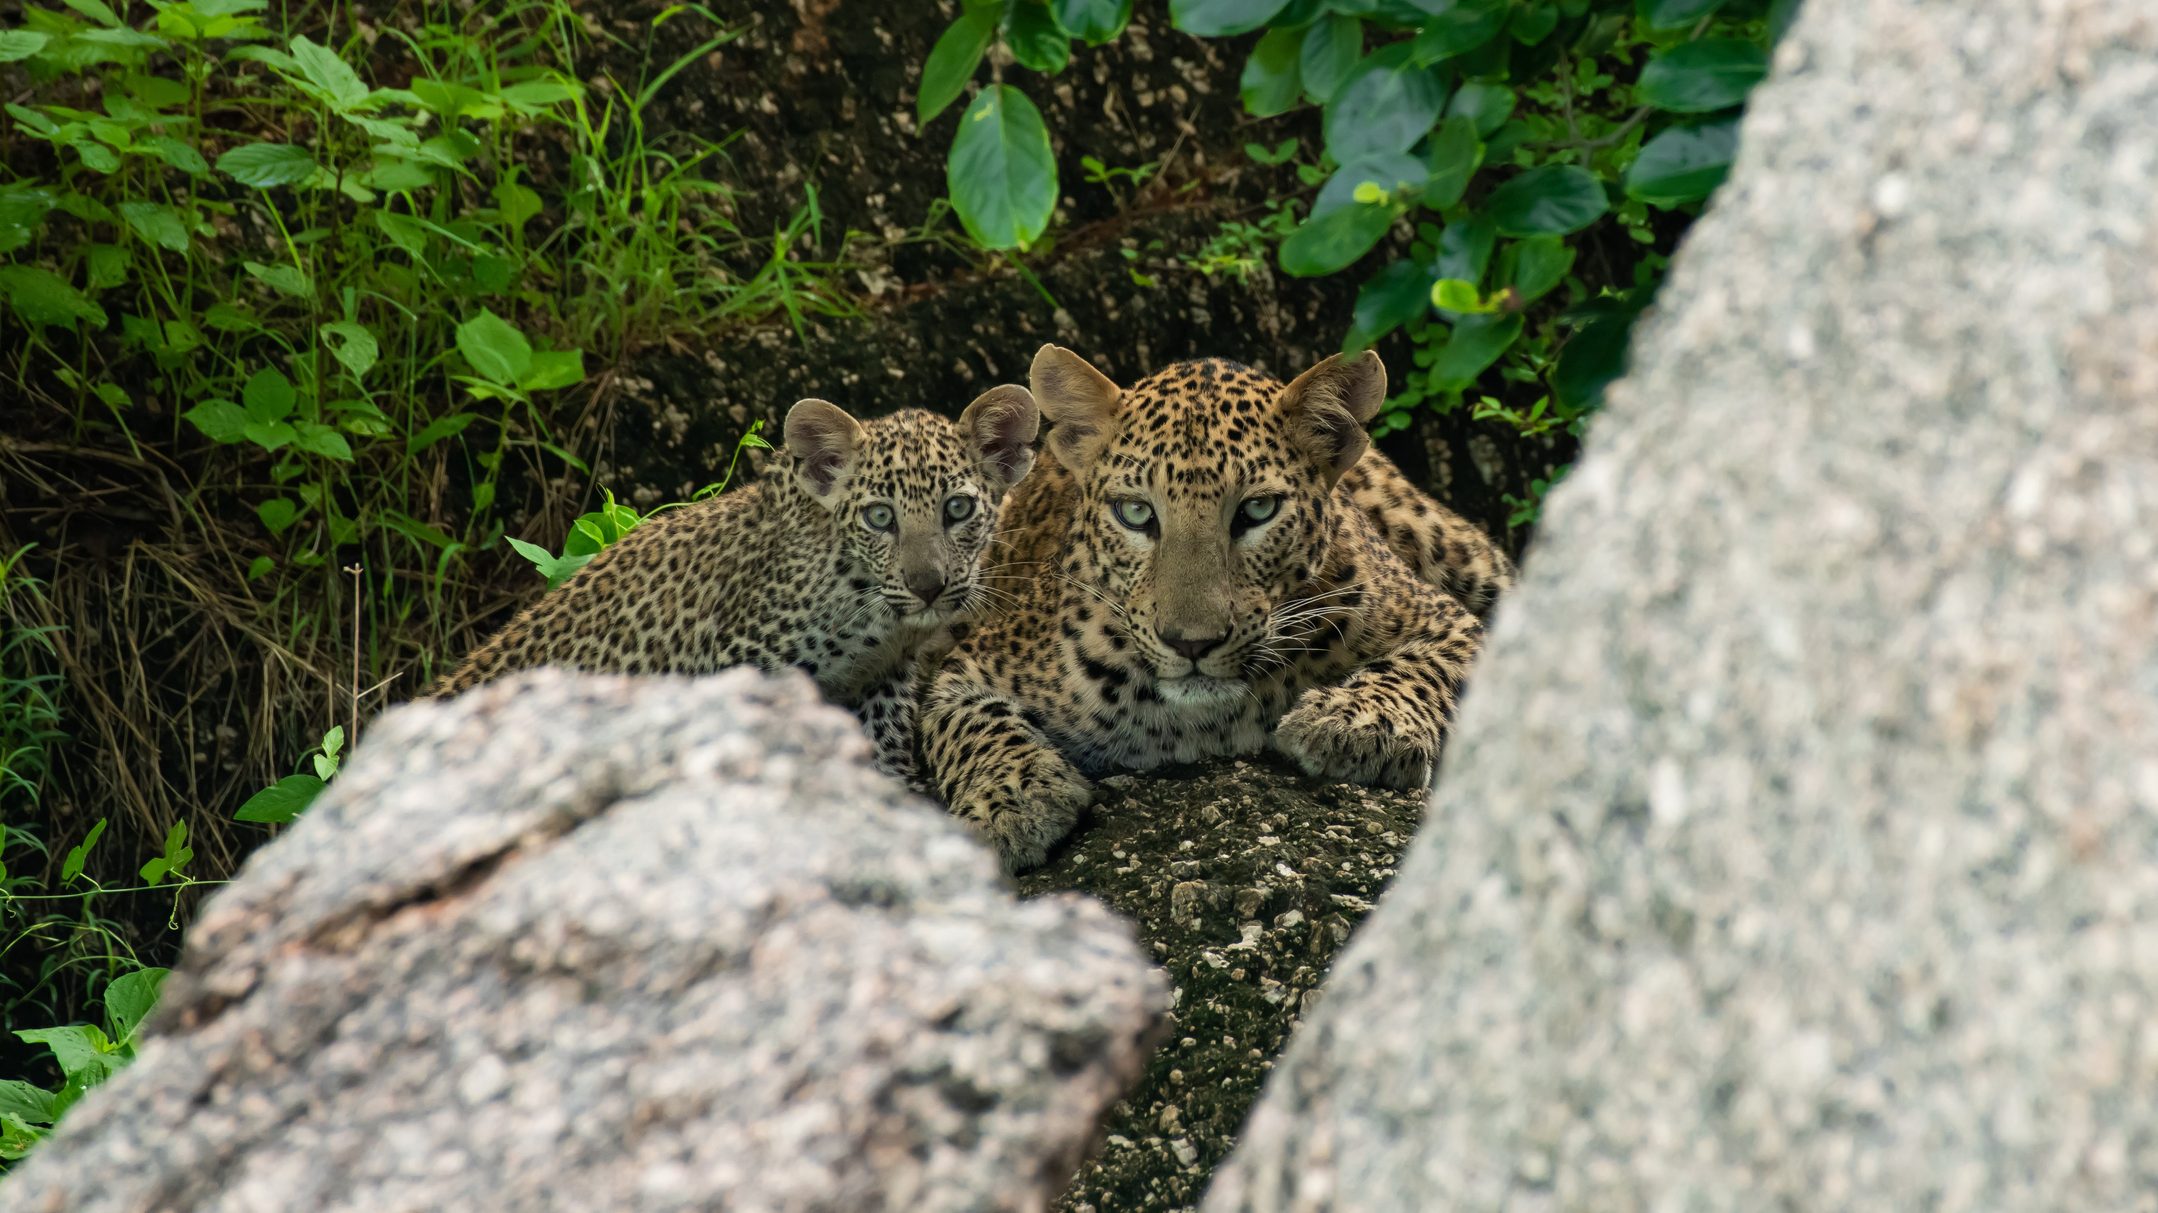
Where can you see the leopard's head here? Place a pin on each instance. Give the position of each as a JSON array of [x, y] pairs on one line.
[[915, 495], [1205, 498]]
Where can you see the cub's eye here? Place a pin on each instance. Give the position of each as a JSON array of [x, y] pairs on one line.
[[1256, 510], [958, 508], [878, 517], [1136, 514]]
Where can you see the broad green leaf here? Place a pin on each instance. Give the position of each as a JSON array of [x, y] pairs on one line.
[[97, 157], [353, 345], [40, 297], [95, 10], [1476, 343], [277, 514], [1781, 13], [1592, 358], [129, 999], [318, 439], [1540, 263], [1370, 181], [1222, 18], [81, 1050], [552, 369], [1380, 110], [18, 44], [1327, 243], [1549, 201], [176, 855], [1451, 160], [269, 435], [1460, 27], [332, 76], [1034, 38], [1683, 164], [1486, 105], [1332, 47], [285, 279], [159, 225], [175, 153], [951, 63], [1001, 173], [1671, 14], [437, 430], [534, 96], [1271, 83], [22, 214], [260, 567], [1457, 295], [263, 165], [1465, 249], [495, 348], [1701, 77], [1097, 21], [281, 801], [269, 396], [219, 420], [106, 265], [32, 1104], [71, 867], [1391, 298]]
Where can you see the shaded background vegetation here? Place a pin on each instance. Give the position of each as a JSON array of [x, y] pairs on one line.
[[306, 312]]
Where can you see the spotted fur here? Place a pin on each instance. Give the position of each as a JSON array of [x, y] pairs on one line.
[[1189, 629], [801, 569]]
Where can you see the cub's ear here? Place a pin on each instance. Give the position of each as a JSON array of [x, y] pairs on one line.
[[1000, 427], [824, 442], [1079, 401], [1328, 407]]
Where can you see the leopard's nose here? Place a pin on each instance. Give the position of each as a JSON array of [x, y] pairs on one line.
[[927, 585], [1193, 647]]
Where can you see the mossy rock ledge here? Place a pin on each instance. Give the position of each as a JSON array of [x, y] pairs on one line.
[[1244, 878]]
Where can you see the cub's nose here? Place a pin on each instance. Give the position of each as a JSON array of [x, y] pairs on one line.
[[926, 585], [1193, 647]]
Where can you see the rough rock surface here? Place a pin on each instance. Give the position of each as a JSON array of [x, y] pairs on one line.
[[587, 943], [1243, 878], [1796, 847]]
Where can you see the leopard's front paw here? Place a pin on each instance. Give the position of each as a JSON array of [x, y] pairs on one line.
[[1333, 733], [1025, 805]]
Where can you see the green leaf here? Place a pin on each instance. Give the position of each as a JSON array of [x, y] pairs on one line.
[[1465, 249], [1222, 18], [1034, 38], [556, 569], [96, 11], [176, 855], [160, 225], [952, 62], [263, 165], [175, 153], [106, 265], [260, 567], [1533, 23], [1451, 160], [1381, 110], [1549, 201], [553, 369], [81, 1050], [25, 1101], [40, 297], [129, 999], [1592, 358], [1701, 77], [219, 420], [71, 867], [1001, 173], [1457, 295], [1327, 243], [1097, 21], [1372, 181], [1781, 13], [495, 348], [1486, 105], [1476, 343], [269, 396], [97, 157], [1332, 47], [353, 345], [1271, 84], [1460, 27], [277, 514], [437, 430], [1391, 298], [1683, 164], [281, 801], [318, 439], [285, 279], [22, 214], [1671, 14], [330, 75], [18, 44], [1540, 263]]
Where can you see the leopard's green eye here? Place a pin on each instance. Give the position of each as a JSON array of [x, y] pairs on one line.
[[1136, 514], [878, 517], [1258, 509], [958, 508]]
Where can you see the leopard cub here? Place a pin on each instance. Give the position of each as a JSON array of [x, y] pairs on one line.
[[863, 544]]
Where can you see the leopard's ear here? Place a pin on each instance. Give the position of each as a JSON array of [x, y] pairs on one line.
[[825, 443], [1080, 403], [1328, 407], [1000, 427]]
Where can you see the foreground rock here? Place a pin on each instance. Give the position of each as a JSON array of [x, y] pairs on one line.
[[1243, 878], [1797, 844], [584, 943]]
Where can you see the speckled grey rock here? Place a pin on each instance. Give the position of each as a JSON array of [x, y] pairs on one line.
[[1797, 848], [591, 943]]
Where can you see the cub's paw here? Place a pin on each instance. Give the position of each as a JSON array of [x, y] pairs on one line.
[[1333, 733], [1023, 806]]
